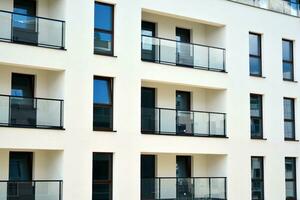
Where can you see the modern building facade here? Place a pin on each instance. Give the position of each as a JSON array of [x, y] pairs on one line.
[[149, 100]]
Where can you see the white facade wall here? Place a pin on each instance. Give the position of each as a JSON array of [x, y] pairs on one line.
[[214, 22]]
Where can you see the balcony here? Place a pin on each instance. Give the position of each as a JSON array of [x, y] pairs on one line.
[[31, 174], [31, 30], [172, 52], [31, 190], [280, 6], [165, 121], [189, 176], [184, 188], [26, 112]]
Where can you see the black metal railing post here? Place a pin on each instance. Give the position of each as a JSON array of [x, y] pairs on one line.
[[60, 190], [61, 113], [159, 188], [159, 121], [209, 131], [208, 60]]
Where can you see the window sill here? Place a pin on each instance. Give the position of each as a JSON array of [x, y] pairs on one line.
[[258, 138], [257, 76], [103, 54], [104, 130], [291, 81], [290, 140]]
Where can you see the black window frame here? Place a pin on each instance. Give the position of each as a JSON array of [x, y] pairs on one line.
[[111, 105], [255, 117], [261, 158], [290, 120], [112, 32], [294, 179], [108, 181], [289, 61], [256, 56]]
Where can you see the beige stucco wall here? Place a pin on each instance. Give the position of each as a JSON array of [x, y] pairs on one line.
[[78, 141]]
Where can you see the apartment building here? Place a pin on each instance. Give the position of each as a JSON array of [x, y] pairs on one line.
[[149, 100]]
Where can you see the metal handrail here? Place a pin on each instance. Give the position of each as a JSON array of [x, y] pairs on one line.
[[34, 112], [157, 126], [193, 56], [158, 185], [292, 5], [60, 44]]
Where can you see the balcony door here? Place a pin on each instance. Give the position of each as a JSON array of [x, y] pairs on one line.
[[148, 109], [148, 177], [20, 186], [22, 104], [183, 174], [184, 117], [184, 51], [24, 22], [148, 42]]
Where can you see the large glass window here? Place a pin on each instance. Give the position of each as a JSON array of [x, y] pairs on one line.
[[255, 54], [256, 116], [103, 103], [102, 176], [104, 28], [287, 60], [289, 119], [257, 178], [290, 179]]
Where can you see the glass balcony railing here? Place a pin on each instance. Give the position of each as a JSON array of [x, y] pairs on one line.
[[282, 6], [31, 112], [190, 55], [167, 121], [31, 190], [31, 30], [208, 188]]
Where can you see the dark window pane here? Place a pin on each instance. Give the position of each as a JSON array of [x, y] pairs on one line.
[[103, 117], [290, 175], [102, 176], [289, 129], [288, 109], [287, 71], [101, 191], [102, 166], [257, 190], [255, 65], [257, 171], [287, 50], [103, 16], [103, 42], [256, 127], [290, 190], [289, 168], [102, 91], [254, 44], [255, 104], [257, 178]]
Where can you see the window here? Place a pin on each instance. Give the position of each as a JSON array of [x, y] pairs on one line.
[[257, 178], [256, 116], [289, 119], [102, 176], [287, 60], [103, 103], [255, 54], [104, 29], [290, 179]]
